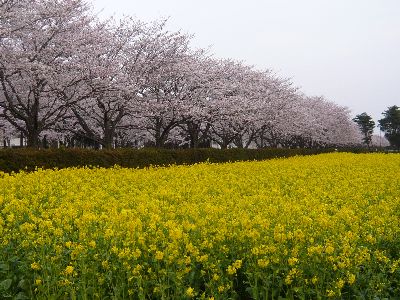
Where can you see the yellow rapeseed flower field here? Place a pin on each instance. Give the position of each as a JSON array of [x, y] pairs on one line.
[[301, 228]]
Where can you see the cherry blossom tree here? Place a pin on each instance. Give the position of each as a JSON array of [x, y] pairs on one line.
[[277, 111], [107, 95], [15, 15], [231, 101], [204, 88], [324, 123], [36, 83], [165, 82], [66, 76]]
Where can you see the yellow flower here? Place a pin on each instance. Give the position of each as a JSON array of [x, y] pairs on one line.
[[202, 258], [292, 261], [299, 214], [105, 264], [340, 283], [288, 280], [231, 270], [330, 293], [10, 218], [263, 263], [190, 292], [237, 264], [351, 278], [69, 270], [159, 255], [329, 249], [65, 282], [314, 280], [35, 266]]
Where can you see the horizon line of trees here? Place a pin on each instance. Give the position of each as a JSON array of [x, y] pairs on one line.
[[67, 76], [389, 124]]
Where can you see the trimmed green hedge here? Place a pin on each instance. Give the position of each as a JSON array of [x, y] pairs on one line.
[[13, 160]]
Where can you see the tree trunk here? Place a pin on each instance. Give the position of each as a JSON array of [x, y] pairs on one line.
[[238, 142], [225, 142], [162, 132], [32, 140], [107, 142], [21, 140], [193, 132], [160, 141]]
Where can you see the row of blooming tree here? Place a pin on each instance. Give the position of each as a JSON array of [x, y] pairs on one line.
[[67, 76]]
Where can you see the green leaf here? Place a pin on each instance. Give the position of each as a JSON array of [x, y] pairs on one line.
[[21, 296], [5, 284], [4, 266], [22, 284]]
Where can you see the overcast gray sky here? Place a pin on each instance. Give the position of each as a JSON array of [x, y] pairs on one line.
[[346, 50]]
